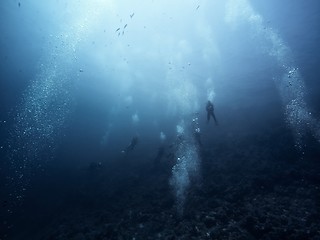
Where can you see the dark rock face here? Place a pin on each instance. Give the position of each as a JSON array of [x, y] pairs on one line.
[[242, 194]]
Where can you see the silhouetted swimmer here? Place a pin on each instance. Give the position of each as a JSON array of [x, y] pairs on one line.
[[160, 154], [210, 112], [131, 146], [157, 160], [197, 137], [196, 130]]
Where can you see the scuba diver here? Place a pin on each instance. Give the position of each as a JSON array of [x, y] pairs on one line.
[[160, 154], [131, 146], [210, 112], [196, 130]]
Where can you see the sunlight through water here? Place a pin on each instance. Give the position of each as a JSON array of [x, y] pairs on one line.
[[290, 85]]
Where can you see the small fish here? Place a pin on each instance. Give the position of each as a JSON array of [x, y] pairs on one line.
[[125, 26], [122, 32], [19, 4], [118, 34], [131, 15], [117, 29], [198, 7]]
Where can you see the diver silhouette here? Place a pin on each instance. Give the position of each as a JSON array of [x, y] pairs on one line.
[[131, 146], [210, 112], [160, 154], [196, 130]]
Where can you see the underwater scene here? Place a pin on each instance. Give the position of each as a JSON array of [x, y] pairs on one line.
[[159, 119]]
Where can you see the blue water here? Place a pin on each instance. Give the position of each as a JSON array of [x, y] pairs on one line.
[[80, 80]]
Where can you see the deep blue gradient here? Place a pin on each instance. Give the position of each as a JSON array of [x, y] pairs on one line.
[[80, 79]]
